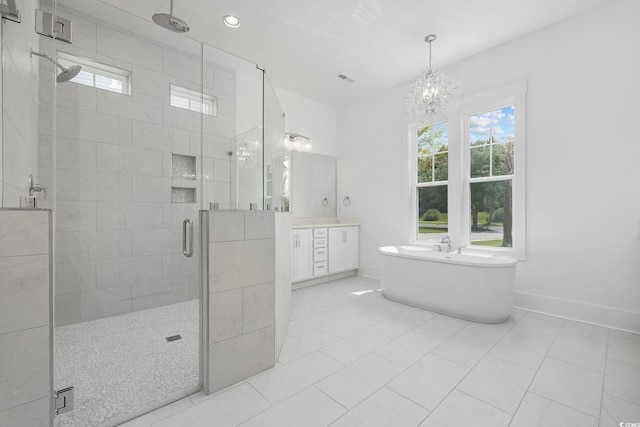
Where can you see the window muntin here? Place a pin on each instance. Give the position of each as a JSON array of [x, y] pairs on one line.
[[432, 161], [491, 136], [192, 100], [432, 150], [98, 75]]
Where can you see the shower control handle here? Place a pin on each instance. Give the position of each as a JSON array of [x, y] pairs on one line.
[[187, 235], [36, 188]]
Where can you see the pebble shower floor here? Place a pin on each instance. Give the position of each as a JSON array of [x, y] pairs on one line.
[[124, 364]]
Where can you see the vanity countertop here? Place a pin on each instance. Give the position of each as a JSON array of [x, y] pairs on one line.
[[324, 222]]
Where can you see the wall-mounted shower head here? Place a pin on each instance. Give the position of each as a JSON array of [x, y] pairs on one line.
[[66, 74], [170, 22]]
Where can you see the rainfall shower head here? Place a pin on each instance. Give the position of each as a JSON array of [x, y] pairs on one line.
[[66, 74], [170, 22]]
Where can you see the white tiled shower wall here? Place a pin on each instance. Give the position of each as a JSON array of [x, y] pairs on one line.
[[119, 237], [25, 345], [249, 286], [19, 147]]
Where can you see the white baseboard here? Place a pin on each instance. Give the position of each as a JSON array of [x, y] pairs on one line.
[[322, 279], [610, 317], [367, 271]]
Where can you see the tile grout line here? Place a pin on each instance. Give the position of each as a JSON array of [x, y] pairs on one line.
[[426, 354], [470, 369], [486, 403], [288, 397], [562, 404], [271, 405], [604, 374], [546, 354]]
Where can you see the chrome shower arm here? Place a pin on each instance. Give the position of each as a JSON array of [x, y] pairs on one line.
[[53, 61]]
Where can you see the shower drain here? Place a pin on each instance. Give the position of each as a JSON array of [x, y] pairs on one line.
[[173, 338]]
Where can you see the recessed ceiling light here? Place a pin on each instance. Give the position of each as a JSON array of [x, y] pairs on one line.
[[231, 21]]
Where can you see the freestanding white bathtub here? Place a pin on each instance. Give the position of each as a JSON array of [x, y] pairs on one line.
[[468, 286]]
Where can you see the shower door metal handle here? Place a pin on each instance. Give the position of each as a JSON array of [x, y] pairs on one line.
[[187, 235]]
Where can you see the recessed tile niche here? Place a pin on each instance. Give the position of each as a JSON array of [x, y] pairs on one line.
[[183, 195], [184, 167]]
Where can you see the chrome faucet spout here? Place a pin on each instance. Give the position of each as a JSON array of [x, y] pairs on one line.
[[447, 240]]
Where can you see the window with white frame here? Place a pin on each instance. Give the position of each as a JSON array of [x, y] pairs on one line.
[[98, 75], [467, 179], [491, 139], [432, 166], [192, 100]]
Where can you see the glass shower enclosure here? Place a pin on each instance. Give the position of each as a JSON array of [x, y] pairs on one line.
[[151, 128]]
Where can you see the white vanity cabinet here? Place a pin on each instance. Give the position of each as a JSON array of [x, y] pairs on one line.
[[302, 254], [343, 249], [322, 250], [319, 252]]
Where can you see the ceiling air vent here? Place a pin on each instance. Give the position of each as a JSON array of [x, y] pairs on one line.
[[346, 78]]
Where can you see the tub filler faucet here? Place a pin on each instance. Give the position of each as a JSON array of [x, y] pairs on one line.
[[447, 240]]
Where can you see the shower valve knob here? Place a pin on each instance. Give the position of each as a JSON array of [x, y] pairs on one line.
[[36, 188]]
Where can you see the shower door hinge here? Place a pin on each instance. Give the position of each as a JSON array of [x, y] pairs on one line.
[[64, 400]]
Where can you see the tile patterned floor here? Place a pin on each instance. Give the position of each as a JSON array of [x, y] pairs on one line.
[[123, 364], [353, 358]]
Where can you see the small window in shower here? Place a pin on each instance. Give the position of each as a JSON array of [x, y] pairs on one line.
[[98, 75], [194, 101]]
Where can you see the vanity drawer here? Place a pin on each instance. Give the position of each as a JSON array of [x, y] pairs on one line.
[[319, 232], [320, 243], [319, 269], [319, 254]]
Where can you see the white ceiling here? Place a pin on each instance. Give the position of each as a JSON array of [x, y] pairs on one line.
[[305, 44]]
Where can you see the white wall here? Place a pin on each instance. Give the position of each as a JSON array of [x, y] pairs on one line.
[[314, 180], [310, 118], [583, 209]]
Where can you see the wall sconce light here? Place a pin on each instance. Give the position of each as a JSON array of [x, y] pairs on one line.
[[297, 142]]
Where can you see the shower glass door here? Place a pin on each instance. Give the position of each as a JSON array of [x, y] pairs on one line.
[[121, 156]]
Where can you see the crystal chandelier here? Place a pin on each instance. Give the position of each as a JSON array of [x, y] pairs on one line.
[[430, 94], [248, 154]]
